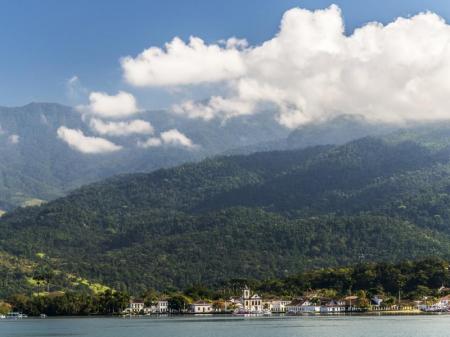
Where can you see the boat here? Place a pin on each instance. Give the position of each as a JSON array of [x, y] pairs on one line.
[[2, 316], [16, 315], [434, 308], [267, 312], [43, 316], [243, 312]]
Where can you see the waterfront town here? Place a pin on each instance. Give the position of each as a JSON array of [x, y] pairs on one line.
[[250, 303], [405, 287]]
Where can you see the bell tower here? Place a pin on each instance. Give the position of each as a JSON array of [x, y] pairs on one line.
[[246, 293]]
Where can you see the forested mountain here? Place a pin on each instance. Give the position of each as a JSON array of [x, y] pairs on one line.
[[35, 165], [263, 215]]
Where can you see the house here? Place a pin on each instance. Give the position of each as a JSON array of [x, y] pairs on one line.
[[162, 307], [251, 303], [376, 300], [201, 307], [300, 306], [276, 306], [351, 302], [136, 306], [444, 302], [333, 307]]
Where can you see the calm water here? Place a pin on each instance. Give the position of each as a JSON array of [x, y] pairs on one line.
[[384, 326]]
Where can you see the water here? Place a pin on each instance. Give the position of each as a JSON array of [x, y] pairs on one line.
[[345, 326]]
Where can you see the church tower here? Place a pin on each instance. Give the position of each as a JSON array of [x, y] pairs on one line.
[[246, 294]]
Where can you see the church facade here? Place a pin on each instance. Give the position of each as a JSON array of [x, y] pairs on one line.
[[251, 302]]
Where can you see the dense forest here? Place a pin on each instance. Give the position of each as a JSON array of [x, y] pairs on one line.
[[259, 216]]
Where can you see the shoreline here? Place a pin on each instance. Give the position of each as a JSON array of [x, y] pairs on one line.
[[219, 315]]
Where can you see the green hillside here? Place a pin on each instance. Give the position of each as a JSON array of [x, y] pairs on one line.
[[259, 216]]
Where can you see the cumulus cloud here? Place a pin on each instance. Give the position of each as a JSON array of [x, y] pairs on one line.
[[311, 71], [176, 138], [123, 128], [14, 139], [90, 145], [184, 63], [151, 142], [121, 105], [171, 137], [216, 106]]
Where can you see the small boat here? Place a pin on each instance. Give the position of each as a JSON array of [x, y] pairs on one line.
[[247, 313], [267, 312], [434, 308], [16, 315], [43, 316], [2, 316]]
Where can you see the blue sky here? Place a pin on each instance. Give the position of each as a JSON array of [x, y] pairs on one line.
[[44, 43]]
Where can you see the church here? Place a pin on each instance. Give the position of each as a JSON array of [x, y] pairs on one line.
[[251, 302]]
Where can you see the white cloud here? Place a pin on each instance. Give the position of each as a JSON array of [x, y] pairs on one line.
[[171, 137], [234, 42], [311, 71], [176, 138], [91, 145], [181, 63], [136, 126], [121, 105], [151, 142], [216, 105], [14, 139], [75, 91]]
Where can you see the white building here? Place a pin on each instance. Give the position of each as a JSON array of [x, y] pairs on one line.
[[162, 307], [333, 307], [302, 306], [136, 306], [201, 307], [276, 306], [251, 303]]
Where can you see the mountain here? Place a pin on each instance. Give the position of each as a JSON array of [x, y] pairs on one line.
[[257, 216], [336, 131], [37, 166]]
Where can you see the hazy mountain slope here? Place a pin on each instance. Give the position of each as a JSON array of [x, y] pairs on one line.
[[35, 164], [339, 130], [261, 215], [336, 131]]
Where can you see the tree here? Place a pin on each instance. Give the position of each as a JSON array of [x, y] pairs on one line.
[[5, 308], [179, 303], [363, 300]]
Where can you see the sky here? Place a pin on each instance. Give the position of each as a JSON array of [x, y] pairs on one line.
[[60, 51]]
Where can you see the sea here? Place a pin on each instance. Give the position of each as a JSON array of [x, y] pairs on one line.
[[228, 326]]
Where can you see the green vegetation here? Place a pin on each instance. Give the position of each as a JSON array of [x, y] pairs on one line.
[[261, 216], [414, 280], [71, 303]]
